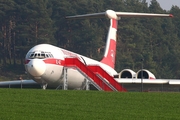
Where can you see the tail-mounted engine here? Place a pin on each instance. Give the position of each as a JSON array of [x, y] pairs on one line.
[[127, 73], [145, 74]]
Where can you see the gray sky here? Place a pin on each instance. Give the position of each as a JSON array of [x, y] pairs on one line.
[[167, 4]]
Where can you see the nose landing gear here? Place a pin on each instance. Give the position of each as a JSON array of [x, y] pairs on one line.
[[44, 86]]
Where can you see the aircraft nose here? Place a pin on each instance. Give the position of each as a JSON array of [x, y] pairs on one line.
[[36, 67]]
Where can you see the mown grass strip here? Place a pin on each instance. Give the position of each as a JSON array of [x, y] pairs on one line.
[[17, 104]]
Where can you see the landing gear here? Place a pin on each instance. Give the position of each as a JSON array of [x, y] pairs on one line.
[[87, 84], [44, 86]]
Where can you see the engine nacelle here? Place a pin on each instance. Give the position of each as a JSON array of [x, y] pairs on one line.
[[127, 73], [146, 74]]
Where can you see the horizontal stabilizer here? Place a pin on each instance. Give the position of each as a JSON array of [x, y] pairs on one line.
[[93, 15], [128, 14], [117, 15]]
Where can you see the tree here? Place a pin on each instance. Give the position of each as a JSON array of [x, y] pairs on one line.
[[7, 20]]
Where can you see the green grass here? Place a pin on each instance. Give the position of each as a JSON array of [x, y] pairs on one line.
[[32, 104]]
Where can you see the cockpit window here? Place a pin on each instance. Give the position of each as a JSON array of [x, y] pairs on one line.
[[47, 55], [40, 55], [32, 55]]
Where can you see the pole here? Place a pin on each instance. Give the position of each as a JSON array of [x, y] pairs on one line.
[[142, 75], [21, 84], [65, 85]]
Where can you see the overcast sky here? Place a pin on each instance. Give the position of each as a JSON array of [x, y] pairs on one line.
[[167, 4]]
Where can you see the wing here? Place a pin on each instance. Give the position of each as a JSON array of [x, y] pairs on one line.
[[148, 81], [133, 84], [19, 83]]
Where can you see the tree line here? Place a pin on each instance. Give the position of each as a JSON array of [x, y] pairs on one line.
[[30, 22]]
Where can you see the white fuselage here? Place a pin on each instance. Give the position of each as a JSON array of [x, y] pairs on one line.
[[44, 63]]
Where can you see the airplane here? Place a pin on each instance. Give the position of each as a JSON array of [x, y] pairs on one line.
[[46, 64]]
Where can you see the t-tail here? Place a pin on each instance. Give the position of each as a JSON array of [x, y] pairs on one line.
[[110, 50]]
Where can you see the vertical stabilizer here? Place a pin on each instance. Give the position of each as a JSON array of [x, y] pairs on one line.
[[110, 50]]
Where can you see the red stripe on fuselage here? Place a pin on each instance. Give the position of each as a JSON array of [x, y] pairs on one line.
[[26, 61], [54, 61], [152, 78], [48, 61]]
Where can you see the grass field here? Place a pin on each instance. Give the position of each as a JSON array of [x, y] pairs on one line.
[[36, 104]]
